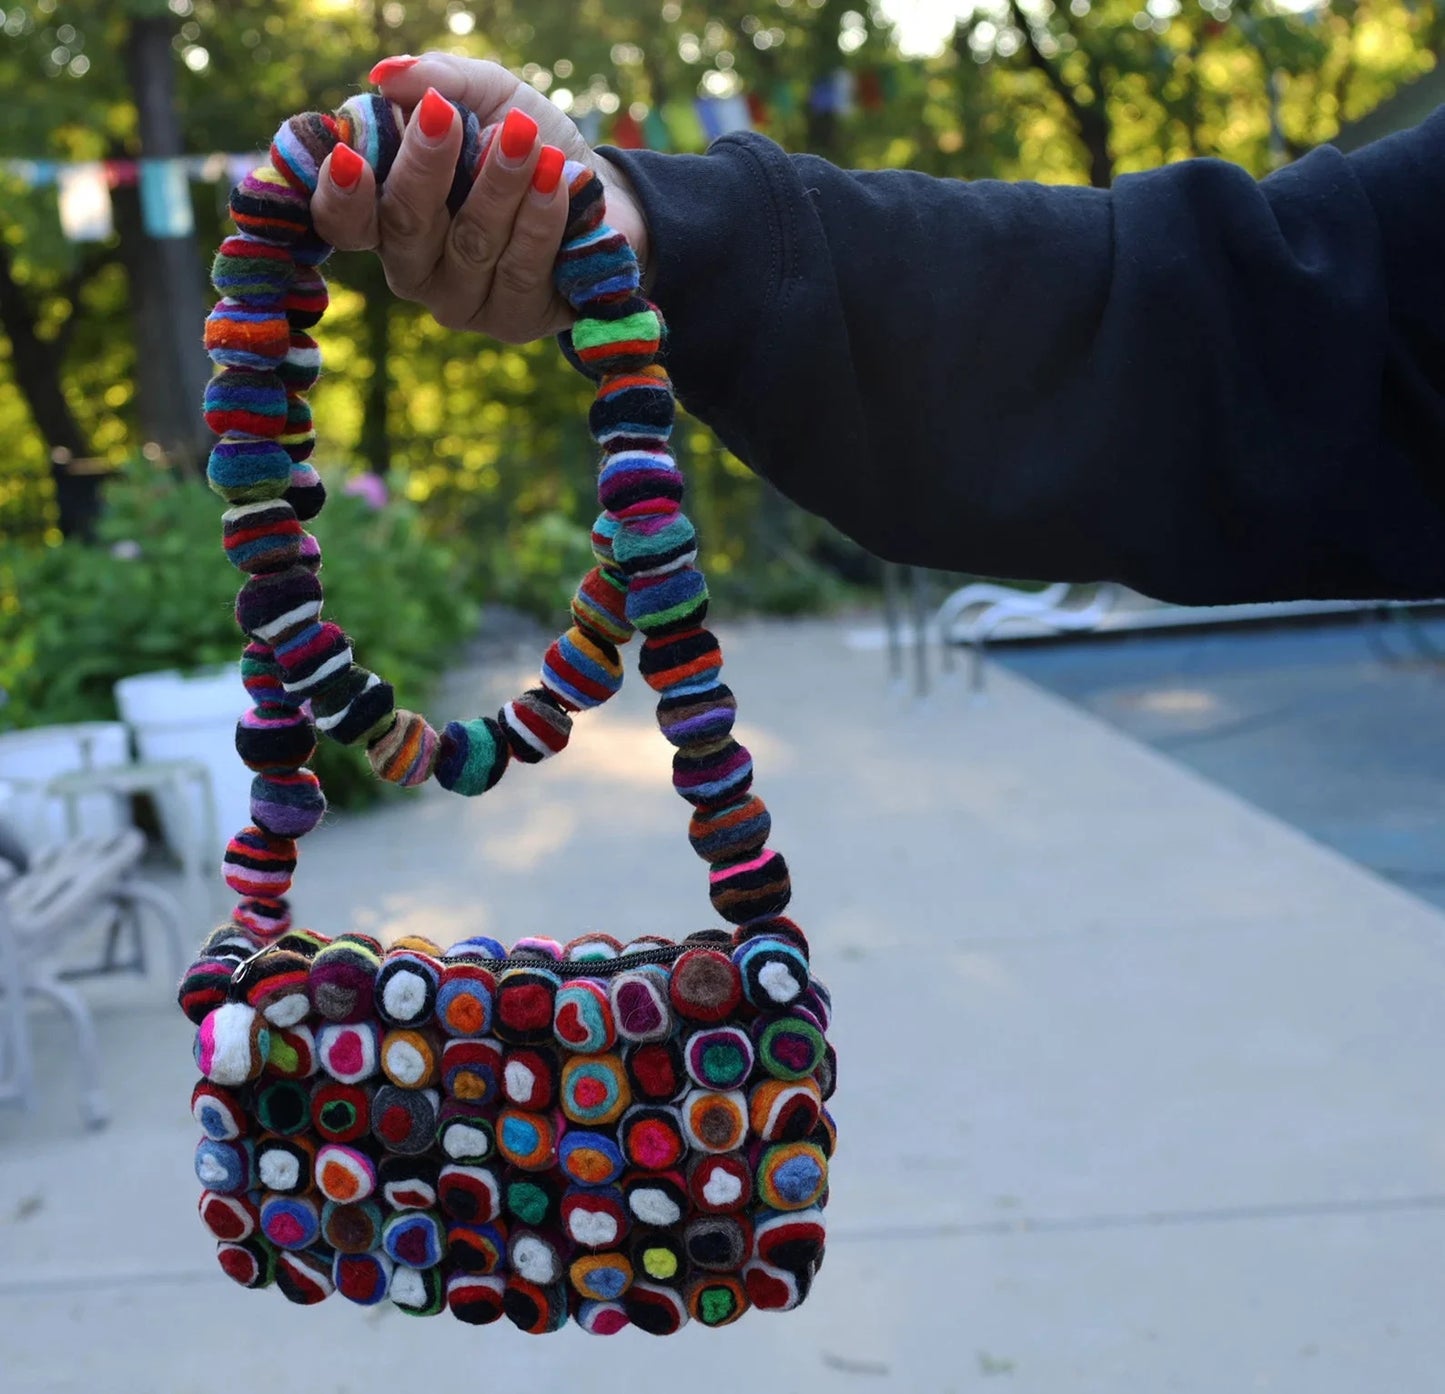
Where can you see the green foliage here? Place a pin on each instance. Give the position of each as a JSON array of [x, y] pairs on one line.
[[154, 593]]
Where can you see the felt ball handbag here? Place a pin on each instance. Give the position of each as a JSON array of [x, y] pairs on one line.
[[604, 1132]]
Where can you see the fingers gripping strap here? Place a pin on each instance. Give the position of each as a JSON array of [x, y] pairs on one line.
[[299, 667]]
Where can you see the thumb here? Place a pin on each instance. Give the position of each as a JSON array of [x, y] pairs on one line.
[[487, 89]]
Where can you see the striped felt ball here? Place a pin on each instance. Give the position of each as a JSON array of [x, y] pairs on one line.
[[306, 298], [604, 531], [242, 335], [249, 1262], [247, 400], [528, 1140], [258, 863], [631, 407], [751, 886], [656, 546], [250, 270], [789, 1047], [690, 657], [669, 603], [600, 605], [287, 805], [718, 1057], [536, 724], [266, 208], [265, 917], [231, 1044], [271, 606], [406, 752], [536, 1309], [312, 656], [298, 434], [594, 263], [582, 1018], [273, 740], [581, 672], [655, 1308], [792, 1241], [718, 772], [299, 369], [306, 493], [247, 469], [472, 756], [263, 536], [639, 480], [610, 346], [363, 1278], [353, 708]]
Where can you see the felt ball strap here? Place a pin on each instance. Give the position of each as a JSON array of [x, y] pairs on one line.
[[299, 668]]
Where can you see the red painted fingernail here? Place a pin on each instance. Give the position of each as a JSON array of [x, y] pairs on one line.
[[549, 169], [519, 134], [389, 67], [346, 167], [435, 115]]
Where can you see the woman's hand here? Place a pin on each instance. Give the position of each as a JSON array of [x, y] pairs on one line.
[[489, 268]]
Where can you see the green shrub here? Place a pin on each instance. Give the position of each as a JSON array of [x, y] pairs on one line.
[[155, 592]]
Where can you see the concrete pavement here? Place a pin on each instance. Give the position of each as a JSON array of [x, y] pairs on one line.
[[1140, 1089]]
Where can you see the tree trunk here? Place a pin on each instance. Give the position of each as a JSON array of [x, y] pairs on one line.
[[168, 303], [375, 441]]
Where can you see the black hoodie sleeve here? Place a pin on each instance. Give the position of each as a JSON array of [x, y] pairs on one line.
[[1210, 388]]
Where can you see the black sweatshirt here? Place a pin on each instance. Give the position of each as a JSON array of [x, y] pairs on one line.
[[1209, 388]]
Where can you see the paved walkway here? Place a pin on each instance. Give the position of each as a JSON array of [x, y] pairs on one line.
[[1141, 1090]]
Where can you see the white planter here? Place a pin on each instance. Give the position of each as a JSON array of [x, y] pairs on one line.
[[175, 716], [30, 759]]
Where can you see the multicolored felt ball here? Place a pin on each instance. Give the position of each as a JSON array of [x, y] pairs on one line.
[[220, 1111], [414, 1238], [233, 1218], [719, 1057], [655, 1070], [601, 1277], [419, 1292], [291, 1222], [472, 1070], [529, 1140], [362, 1277], [404, 1121], [249, 1262], [720, 1183], [477, 1248], [350, 1052], [718, 1243], [340, 1112], [283, 1106], [352, 1228], [773, 1289], [792, 1176], [464, 999], [656, 1200], [782, 1110], [789, 1047], [716, 1299], [595, 1217], [406, 988], [411, 1058], [652, 1137], [595, 1090], [343, 978], [582, 1018], [409, 1183], [530, 1078], [470, 1195], [231, 1044], [590, 1158], [601, 1318], [475, 1298], [228, 1168], [715, 1121], [284, 1164], [467, 1132], [292, 1054], [533, 1199], [705, 986], [792, 1241], [345, 1174], [534, 1308], [640, 1005], [774, 973], [524, 1003], [655, 1308]]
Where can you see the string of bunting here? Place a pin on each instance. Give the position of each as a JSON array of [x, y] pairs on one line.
[[85, 186]]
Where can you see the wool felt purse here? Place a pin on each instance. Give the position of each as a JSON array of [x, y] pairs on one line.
[[612, 1133]]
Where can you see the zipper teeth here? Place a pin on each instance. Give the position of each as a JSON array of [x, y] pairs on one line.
[[582, 968]]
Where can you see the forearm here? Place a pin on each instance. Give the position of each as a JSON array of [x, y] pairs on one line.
[[1208, 388]]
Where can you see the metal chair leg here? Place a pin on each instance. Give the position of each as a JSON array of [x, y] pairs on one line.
[[93, 1107], [139, 894]]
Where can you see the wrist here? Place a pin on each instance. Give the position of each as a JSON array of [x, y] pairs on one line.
[[624, 212]]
